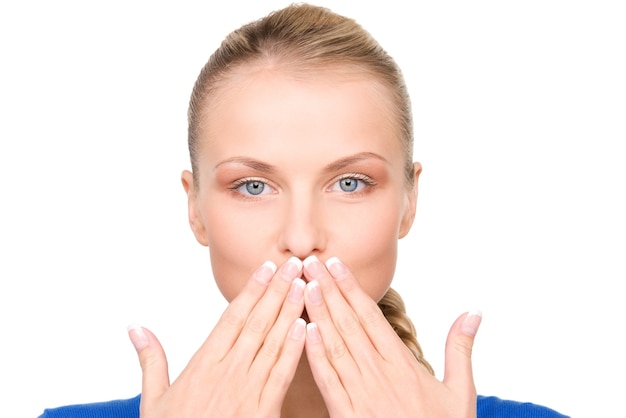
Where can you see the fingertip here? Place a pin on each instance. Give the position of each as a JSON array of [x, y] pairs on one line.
[[459, 347], [471, 322], [313, 333], [265, 273], [138, 337], [155, 376], [337, 268], [298, 330]]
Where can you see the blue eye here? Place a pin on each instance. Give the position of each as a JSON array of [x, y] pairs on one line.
[[352, 183], [252, 188], [255, 187], [348, 184]]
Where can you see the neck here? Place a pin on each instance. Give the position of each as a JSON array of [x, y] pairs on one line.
[[303, 398]]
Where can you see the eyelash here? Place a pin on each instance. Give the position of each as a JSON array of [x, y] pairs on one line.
[[367, 180], [240, 182]]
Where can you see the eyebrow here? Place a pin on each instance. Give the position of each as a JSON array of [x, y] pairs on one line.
[[332, 167], [248, 162], [352, 159]]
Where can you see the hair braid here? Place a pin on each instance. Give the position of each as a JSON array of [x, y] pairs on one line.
[[394, 310]]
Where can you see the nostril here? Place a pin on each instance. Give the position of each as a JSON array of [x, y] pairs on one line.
[[300, 235]]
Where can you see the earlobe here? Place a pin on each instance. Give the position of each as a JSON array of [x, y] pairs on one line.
[[409, 213], [195, 220]]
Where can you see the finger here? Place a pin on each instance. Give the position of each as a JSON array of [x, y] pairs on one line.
[[372, 320], [332, 304], [228, 328], [336, 352], [458, 364], [285, 369], [350, 317], [325, 375], [265, 313], [155, 376], [274, 346]]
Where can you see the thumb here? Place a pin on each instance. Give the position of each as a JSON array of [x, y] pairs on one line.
[[458, 365], [155, 376]]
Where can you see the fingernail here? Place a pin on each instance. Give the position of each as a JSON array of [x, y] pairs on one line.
[[297, 290], [336, 268], [315, 293], [313, 266], [313, 333], [265, 273], [291, 269], [471, 322], [298, 329], [138, 337]]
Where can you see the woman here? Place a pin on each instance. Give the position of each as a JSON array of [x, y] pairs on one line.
[[302, 182]]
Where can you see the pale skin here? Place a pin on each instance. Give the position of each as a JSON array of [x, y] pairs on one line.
[[305, 172]]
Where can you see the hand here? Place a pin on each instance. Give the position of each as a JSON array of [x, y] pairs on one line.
[[361, 366], [245, 366]]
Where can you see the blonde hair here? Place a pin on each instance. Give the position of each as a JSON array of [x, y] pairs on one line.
[[309, 38], [394, 310]]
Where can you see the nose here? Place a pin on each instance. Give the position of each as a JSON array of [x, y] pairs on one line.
[[303, 230]]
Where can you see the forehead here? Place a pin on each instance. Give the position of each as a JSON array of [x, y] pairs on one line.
[[244, 76], [339, 105]]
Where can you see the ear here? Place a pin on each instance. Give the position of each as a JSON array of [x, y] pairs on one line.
[[409, 212], [195, 220]]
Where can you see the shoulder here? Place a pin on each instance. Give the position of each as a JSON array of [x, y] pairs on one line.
[[126, 408], [492, 407], [487, 407]]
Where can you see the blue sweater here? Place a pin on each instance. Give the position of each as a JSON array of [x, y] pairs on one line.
[[487, 407]]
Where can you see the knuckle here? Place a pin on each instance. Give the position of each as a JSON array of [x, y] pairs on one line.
[[233, 319], [279, 379], [371, 316], [329, 382], [278, 289], [256, 324], [348, 285], [336, 351], [348, 325], [463, 347], [150, 361], [271, 348]]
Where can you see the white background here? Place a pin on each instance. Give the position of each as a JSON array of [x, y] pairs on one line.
[[520, 112]]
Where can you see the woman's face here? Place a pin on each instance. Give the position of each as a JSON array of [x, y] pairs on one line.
[[295, 166]]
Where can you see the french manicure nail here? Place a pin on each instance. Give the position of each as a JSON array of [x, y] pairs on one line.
[[471, 322], [336, 268], [138, 337], [297, 290], [291, 269], [265, 273], [312, 332], [298, 329], [315, 293], [313, 266]]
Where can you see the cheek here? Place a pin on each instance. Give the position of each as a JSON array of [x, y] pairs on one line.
[[370, 249], [234, 243], [374, 263]]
